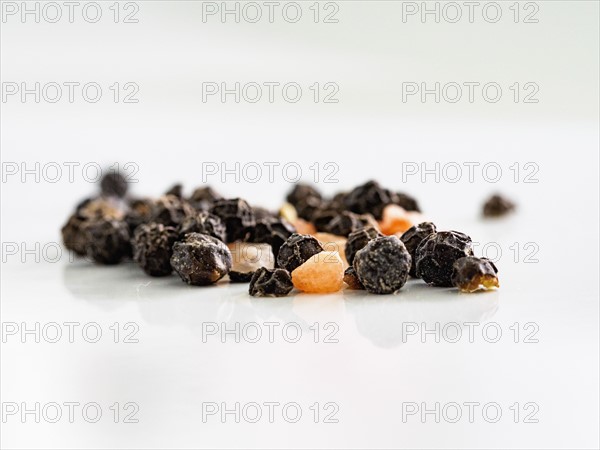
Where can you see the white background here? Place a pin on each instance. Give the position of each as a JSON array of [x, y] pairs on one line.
[[369, 133]]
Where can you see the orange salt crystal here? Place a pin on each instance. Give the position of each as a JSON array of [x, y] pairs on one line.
[[333, 243], [304, 227], [322, 273], [394, 220]]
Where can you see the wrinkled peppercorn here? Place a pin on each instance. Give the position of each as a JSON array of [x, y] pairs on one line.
[[345, 223], [204, 197], [200, 259], [107, 240], [405, 201], [306, 199], [301, 192], [153, 248], [240, 277], [102, 208], [273, 231], [237, 216], [296, 250], [358, 239], [140, 211], [437, 253], [262, 213], [171, 210], [368, 198], [176, 190], [113, 184], [471, 274], [270, 283], [497, 206], [205, 223], [73, 234], [91, 209], [351, 279], [321, 218], [412, 238], [382, 265]]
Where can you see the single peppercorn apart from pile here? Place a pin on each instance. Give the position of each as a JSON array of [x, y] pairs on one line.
[[358, 239], [270, 283], [470, 274], [113, 184], [497, 206], [437, 253], [153, 248], [201, 259], [382, 265], [412, 238], [297, 250]]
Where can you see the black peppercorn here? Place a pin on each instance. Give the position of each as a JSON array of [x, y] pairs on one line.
[[113, 184], [412, 238], [140, 211], [405, 201], [153, 248], [106, 240], [176, 190], [205, 223], [344, 223], [471, 274], [351, 279], [358, 239], [297, 250], [201, 259], [237, 216], [368, 198], [437, 253], [270, 283], [171, 210], [497, 206], [273, 231], [382, 265], [204, 197], [306, 199]]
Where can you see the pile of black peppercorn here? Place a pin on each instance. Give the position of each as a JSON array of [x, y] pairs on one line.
[[189, 235]]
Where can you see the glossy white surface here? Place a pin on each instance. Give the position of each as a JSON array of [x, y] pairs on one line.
[[378, 367]]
